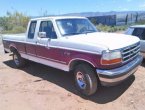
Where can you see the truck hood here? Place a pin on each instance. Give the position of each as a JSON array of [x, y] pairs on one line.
[[109, 40], [95, 42]]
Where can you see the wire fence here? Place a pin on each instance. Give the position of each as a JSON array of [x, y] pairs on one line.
[[118, 19]]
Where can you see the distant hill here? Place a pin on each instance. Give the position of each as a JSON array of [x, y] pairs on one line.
[[92, 14]]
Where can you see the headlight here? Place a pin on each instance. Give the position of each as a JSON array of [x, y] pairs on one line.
[[111, 57]]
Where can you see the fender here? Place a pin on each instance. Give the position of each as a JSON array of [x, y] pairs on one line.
[[80, 59]]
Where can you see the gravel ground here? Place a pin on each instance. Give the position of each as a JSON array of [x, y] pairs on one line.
[[38, 87]]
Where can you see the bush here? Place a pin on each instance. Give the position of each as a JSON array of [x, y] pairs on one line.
[[15, 22], [106, 28], [15, 30], [18, 29]]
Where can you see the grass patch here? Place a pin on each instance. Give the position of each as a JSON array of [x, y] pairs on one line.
[[106, 28]]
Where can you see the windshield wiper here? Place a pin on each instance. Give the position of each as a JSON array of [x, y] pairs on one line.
[[88, 31], [69, 34]]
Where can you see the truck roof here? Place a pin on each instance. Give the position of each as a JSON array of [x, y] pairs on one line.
[[138, 26], [58, 17]]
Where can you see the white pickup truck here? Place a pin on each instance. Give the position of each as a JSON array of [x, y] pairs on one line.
[[74, 44]]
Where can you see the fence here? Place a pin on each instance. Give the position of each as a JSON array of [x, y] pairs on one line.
[[118, 19], [105, 20]]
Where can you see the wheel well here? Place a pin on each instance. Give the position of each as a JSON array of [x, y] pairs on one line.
[[73, 64], [13, 49]]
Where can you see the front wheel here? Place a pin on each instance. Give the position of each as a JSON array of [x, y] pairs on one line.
[[18, 60], [85, 79]]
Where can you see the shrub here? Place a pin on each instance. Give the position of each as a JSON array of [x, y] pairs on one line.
[[15, 22], [18, 29], [106, 28]]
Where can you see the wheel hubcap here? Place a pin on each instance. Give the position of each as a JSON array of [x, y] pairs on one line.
[[80, 80], [16, 59]]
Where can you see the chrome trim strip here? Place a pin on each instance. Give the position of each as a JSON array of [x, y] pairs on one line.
[[42, 45], [30, 43], [31, 54], [44, 58], [51, 59], [21, 52], [25, 56], [46, 62]]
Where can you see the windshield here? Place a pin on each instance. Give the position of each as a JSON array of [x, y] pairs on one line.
[[75, 26]]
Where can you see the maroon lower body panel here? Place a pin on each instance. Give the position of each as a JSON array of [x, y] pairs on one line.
[[62, 56]]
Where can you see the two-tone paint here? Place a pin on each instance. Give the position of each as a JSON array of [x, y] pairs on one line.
[[67, 51]]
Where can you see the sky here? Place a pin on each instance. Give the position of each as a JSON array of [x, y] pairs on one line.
[[56, 7]]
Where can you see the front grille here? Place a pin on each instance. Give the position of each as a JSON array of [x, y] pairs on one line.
[[130, 52]]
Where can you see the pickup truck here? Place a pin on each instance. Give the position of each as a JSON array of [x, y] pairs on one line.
[[74, 44]]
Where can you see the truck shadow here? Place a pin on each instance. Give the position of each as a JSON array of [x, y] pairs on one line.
[[65, 80], [143, 63]]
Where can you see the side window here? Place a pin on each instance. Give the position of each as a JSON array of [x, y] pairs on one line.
[[138, 32], [47, 26], [32, 28]]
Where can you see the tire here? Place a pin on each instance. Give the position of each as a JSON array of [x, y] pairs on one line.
[[18, 60], [85, 80]]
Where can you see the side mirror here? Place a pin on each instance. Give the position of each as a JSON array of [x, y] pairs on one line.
[[42, 34]]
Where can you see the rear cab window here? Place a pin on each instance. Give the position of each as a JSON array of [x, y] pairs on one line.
[[32, 28]]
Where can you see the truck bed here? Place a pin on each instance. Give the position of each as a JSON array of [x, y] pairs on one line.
[[14, 37]]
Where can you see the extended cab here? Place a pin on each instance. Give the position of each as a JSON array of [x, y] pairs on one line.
[[74, 44]]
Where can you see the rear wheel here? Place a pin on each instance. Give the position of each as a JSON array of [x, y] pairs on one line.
[[18, 60], [85, 79]]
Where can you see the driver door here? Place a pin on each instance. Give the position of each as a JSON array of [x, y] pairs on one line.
[[44, 48]]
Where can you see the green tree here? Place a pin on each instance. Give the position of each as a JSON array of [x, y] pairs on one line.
[[15, 22], [4, 23]]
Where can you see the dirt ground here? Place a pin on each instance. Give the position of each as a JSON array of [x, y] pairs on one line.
[[38, 87]]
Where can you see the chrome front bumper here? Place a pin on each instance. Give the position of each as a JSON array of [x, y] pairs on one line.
[[117, 75]]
